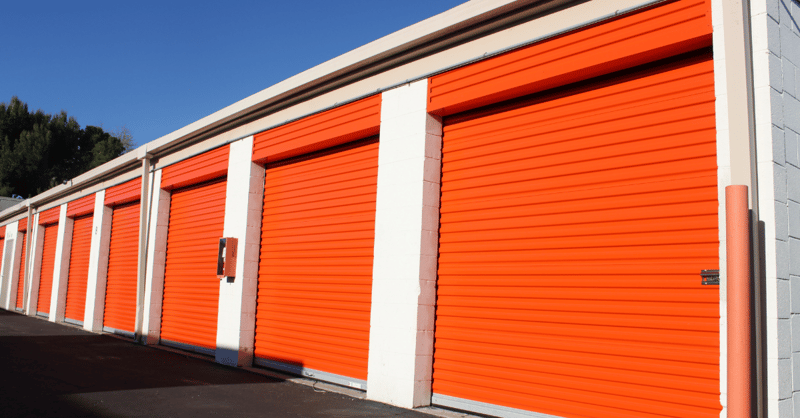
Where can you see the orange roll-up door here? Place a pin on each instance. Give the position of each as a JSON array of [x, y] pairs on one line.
[[21, 277], [315, 271], [574, 226], [123, 258], [2, 244], [79, 267], [48, 264], [191, 286]]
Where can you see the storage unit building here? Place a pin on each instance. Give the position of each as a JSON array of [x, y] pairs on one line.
[[504, 209], [555, 202]]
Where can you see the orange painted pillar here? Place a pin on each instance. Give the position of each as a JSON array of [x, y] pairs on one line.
[[737, 230]]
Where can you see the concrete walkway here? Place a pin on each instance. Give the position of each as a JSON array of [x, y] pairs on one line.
[[53, 370]]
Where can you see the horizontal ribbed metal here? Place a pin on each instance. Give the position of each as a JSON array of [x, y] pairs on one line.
[[48, 264], [79, 267], [123, 258], [124, 193], [81, 207], [315, 273], [573, 230], [191, 286], [200, 168], [635, 39], [21, 275]]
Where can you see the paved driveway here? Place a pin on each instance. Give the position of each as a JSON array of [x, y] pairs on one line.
[[53, 370]]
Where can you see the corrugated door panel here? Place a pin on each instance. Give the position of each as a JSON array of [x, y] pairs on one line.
[[124, 193], [573, 231], [48, 264], [315, 272], [191, 287], [81, 207], [123, 259], [638, 38], [21, 277], [49, 216], [79, 267], [204, 167], [350, 122]]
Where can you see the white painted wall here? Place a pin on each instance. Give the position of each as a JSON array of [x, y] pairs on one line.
[[156, 261], [406, 248], [7, 301], [723, 180], [33, 266], [15, 265], [58, 296], [98, 265], [236, 319]]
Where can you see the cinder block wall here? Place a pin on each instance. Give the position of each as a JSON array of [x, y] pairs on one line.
[[776, 57]]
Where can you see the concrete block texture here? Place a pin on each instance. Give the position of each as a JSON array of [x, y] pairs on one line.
[[6, 262], [785, 383], [787, 76], [776, 55], [33, 266], [237, 295], [784, 299], [58, 298], [406, 244], [790, 144], [795, 294], [156, 262], [784, 330], [14, 269], [98, 265], [8, 293]]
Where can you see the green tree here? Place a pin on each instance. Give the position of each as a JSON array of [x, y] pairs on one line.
[[39, 150]]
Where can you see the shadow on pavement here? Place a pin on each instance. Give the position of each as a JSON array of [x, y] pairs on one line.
[[54, 370], [43, 363]]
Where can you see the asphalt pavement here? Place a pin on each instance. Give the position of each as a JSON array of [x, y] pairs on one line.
[[56, 370]]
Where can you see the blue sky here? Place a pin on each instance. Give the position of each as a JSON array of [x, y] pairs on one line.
[[155, 67]]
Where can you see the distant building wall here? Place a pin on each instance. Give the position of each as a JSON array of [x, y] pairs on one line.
[[7, 202]]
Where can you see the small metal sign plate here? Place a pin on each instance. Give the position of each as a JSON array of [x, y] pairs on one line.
[[710, 277]]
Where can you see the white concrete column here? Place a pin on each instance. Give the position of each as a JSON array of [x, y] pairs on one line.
[[15, 264], [236, 320], [6, 266], [33, 265], [4, 279], [98, 265], [406, 246], [156, 261], [58, 297]]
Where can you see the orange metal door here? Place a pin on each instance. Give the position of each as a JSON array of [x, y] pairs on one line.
[[315, 271], [123, 258], [79, 267], [48, 264], [573, 230], [21, 277], [191, 287]]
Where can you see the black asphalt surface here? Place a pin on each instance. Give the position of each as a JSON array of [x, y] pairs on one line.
[[53, 370]]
